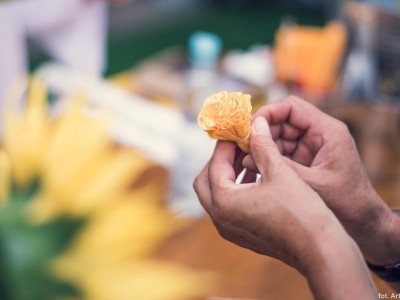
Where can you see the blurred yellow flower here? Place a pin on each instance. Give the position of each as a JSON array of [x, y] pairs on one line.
[[5, 176], [26, 133], [117, 191], [146, 280], [110, 258]]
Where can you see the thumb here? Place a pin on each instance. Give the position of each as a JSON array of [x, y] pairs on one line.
[[263, 149]]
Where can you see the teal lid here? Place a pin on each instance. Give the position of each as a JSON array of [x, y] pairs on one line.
[[204, 48]]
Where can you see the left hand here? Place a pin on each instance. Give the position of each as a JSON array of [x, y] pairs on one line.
[[322, 152]]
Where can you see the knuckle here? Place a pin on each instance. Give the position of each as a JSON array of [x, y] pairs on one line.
[[344, 132], [196, 183], [293, 99], [220, 189], [223, 196], [342, 127], [222, 210], [260, 143], [263, 148], [220, 215]]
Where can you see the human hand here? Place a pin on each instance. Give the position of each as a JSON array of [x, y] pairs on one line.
[[279, 215], [322, 151]]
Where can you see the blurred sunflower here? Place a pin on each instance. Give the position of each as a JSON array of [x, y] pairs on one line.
[[79, 216]]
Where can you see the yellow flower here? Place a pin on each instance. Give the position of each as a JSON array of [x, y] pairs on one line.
[[111, 257], [118, 192], [146, 280], [5, 176], [26, 133], [128, 229], [226, 116]]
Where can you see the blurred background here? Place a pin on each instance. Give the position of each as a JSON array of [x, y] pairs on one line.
[[99, 142]]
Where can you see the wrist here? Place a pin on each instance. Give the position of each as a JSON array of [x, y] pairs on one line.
[[326, 240], [383, 247], [326, 247], [378, 234], [336, 268], [389, 273]]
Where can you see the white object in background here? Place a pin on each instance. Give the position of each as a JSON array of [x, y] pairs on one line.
[[202, 78], [135, 120], [277, 91], [161, 133], [255, 66], [359, 76], [195, 149], [194, 146], [72, 31]]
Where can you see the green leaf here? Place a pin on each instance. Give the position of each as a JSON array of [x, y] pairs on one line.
[[26, 251]]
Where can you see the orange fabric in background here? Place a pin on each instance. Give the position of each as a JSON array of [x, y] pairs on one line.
[[310, 56]]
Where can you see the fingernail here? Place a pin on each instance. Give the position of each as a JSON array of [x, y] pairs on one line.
[[260, 127]]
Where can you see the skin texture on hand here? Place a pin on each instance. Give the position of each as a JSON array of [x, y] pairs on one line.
[[323, 153], [279, 215]]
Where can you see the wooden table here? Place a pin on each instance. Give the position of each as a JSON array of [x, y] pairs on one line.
[[247, 275], [242, 273]]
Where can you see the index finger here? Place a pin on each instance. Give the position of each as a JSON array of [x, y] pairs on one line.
[[201, 186], [221, 169], [291, 110]]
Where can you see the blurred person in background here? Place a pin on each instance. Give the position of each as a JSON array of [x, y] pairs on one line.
[[313, 206], [73, 32]]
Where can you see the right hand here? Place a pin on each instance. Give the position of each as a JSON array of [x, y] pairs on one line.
[[323, 153]]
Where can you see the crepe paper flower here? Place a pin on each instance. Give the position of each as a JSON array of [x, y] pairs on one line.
[[226, 116]]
